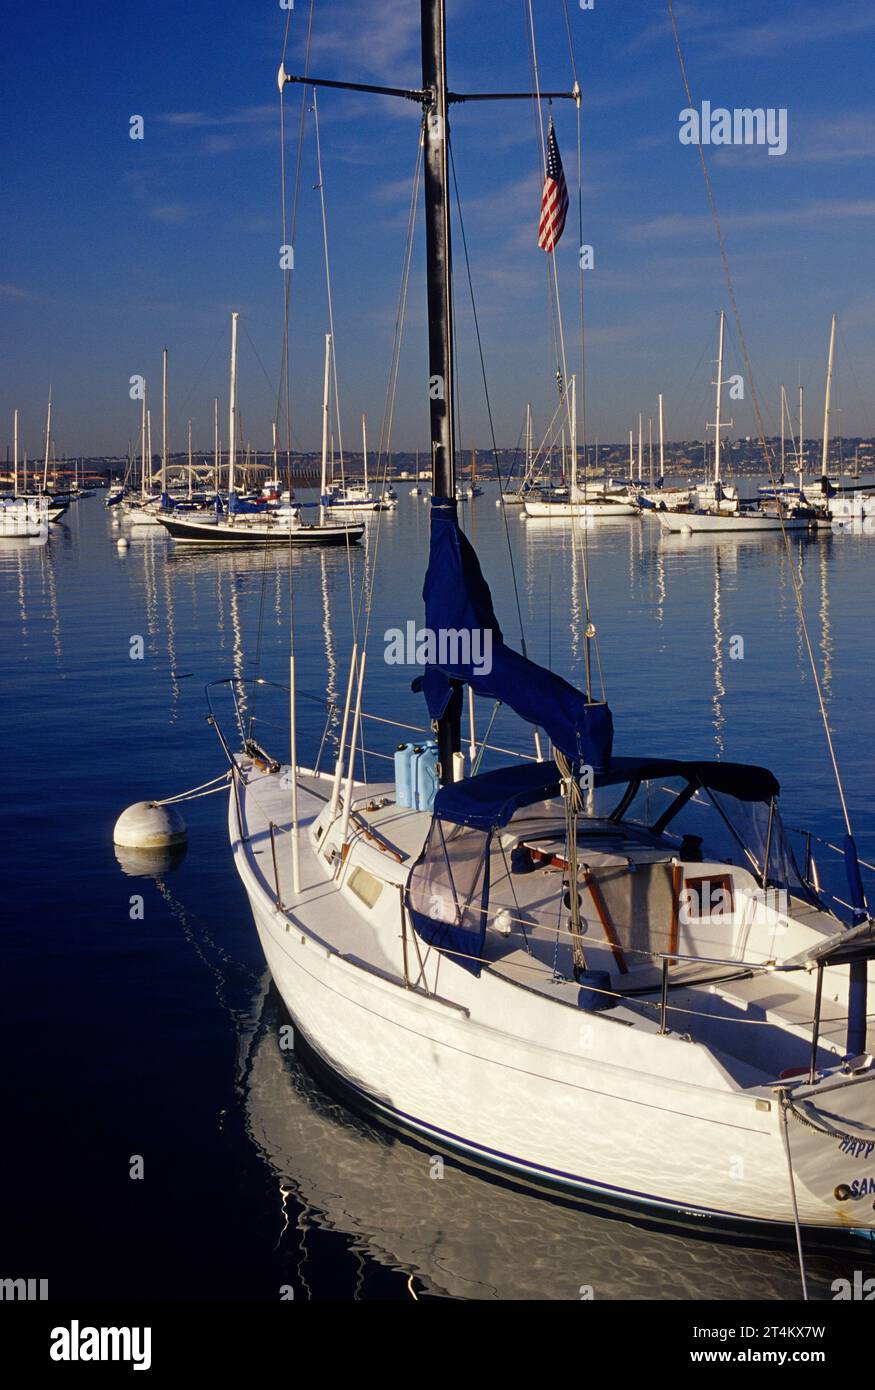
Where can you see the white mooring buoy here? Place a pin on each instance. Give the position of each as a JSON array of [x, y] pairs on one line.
[[122, 543], [147, 825]]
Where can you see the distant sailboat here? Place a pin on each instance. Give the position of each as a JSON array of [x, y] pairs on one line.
[[716, 509], [245, 523]]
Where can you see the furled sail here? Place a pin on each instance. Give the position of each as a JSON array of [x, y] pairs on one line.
[[469, 647]]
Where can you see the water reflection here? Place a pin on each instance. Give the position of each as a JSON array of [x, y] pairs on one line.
[[463, 1236]]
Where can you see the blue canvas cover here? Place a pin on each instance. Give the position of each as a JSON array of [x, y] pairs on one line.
[[237, 505], [457, 598], [489, 800]]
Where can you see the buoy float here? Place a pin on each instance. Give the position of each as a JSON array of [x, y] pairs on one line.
[[148, 825], [122, 543]]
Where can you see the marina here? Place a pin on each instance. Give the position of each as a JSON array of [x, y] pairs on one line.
[[461, 844]]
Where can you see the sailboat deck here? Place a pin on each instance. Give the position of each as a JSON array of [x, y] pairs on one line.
[[748, 1018]]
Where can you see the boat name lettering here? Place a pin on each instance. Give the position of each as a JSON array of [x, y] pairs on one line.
[[857, 1148]]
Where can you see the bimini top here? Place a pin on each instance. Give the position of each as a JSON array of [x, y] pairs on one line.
[[491, 799]]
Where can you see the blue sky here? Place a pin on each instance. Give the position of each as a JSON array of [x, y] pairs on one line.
[[112, 248]]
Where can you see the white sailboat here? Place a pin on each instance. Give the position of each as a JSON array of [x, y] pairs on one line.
[[515, 496], [828, 493], [245, 524], [657, 495], [144, 511], [551, 968], [21, 514], [353, 497], [715, 508], [585, 500]]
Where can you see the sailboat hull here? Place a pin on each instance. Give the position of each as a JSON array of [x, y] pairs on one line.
[[724, 522], [597, 507], [260, 533], [560, 1100]]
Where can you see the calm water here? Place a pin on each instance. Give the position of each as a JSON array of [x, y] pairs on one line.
[[157, 1037]]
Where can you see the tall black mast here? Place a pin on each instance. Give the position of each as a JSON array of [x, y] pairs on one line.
[[436, 100], [440, 305]]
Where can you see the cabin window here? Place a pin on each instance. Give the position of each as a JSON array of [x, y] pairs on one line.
[[706, 899], [365, 887]]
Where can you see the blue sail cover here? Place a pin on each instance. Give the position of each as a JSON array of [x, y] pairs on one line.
[[236, 505], [457, 599]]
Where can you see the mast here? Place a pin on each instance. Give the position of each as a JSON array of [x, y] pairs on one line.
[[232, 404], [15, 454], [718, 424], [365, 448], [573, 432], [323, 486], [640, 446], [824, 461], [217, 480], [189, 458], [143, 448], [783, 406], [164, 422], [801, 450], [661, 440], [631, 457], [650, 450], [48, 443], [436, 185], [275, 462], [149, 435]]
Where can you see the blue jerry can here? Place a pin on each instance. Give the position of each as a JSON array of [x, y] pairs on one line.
[[405, 786], [426, 776]]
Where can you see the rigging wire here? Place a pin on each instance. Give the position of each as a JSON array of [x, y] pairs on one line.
[[762, 433], [388, 418], [579, 543], [321, 188], [476, 318]]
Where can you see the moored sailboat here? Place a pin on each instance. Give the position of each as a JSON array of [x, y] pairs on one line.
[[714, 508], [603, 975], [245, 523]]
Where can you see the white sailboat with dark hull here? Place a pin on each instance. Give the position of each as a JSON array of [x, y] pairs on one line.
[[603, 975], [245, 523]]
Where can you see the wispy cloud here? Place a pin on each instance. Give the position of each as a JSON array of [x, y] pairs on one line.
[[149, 192], [380, 40], [8, 291], [716, 37], [834, 139], [820, 215], [171, 213], [204, 120]]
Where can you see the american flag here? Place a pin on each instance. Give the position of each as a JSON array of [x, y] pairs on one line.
[[554, 199]]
